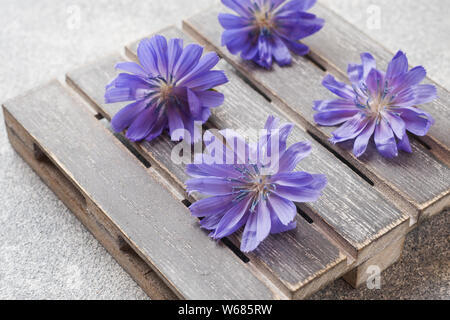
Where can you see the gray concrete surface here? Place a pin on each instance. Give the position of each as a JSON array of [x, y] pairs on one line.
[[45, 253]]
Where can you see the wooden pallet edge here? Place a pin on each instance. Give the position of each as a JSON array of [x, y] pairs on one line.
[[82, 208], [382, 262]]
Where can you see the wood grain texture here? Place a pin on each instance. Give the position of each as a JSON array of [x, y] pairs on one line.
[[150, 220], [415, 182], [148, 280], [382, 261], [357, 222], [340, 43], [298, 261]]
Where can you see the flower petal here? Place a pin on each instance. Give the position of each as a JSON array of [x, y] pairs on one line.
[[411, 78], [211, 222], [416, 120], [194, 103], [298, 5], [188, 60], [207, 80], [257, 228], [235, 39], [214, 170], [296, 47], [265, 52], [147, 57], [385, 140], [174, 51], [210, 206], [132, 67], [283, 208], [157, 128], [159, 44], [141, 126], [210, 98], [404, 144], [113, 95], [355, 73], [398, 66], [361, 142], [396, 123], [175, 123], [368, 63], [298, 178], [338, 104], [239, 6], [375, 82], [210, 185], [334, 117], [351, 129], [319, 182], [424, 93], [338, 88], [298, 194], [292, 156], [206, 63], [278, 227], [230, 21], [235, 218], [126, 115], [281, 52]]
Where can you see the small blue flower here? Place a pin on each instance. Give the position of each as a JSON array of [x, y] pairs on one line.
[[267, 29], [172, 87], [379, 104], [259, 194]]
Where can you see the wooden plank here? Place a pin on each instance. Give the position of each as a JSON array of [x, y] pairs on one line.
[[149, 219], [340, 43], [299, 261], [148, 280], [417, 182]]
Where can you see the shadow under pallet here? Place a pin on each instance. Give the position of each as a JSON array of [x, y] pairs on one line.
[[138, 212]]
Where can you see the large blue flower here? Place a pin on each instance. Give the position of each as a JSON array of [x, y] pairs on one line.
[[258, 194], [267, 29], [171, 88], [379, 104]]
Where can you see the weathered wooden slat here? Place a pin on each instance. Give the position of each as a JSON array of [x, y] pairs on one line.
[[147, 279], [340, 43], [417, 182], [301, 261], [150, 220]]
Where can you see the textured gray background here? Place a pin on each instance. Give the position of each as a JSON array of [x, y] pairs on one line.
[[45, 253]]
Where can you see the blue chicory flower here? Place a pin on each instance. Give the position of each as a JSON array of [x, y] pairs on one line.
[[171, 87], [267, 29], [259, 194], [379, 104]]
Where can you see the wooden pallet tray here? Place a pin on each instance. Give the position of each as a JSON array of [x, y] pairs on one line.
[[132, 197]]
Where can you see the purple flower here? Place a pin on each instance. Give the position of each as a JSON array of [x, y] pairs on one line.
[[267, 29], [379, 104], [259, 194], [171, 88]]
